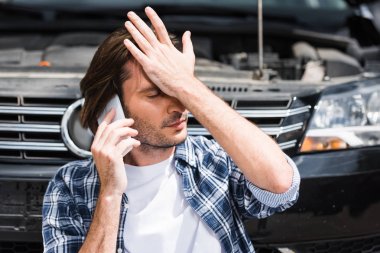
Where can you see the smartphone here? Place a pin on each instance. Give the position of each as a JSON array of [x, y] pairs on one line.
[[113, 103]]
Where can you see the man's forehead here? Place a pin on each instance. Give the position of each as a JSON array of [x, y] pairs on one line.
[[140, 79], [145, 85]]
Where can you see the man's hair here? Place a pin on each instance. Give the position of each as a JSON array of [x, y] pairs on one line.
[[106, 74]]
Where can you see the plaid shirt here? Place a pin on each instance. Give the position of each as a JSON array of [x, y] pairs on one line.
[[212, 184]]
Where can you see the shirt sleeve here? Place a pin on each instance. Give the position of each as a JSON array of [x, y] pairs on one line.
[[61, 227], [274, 199], [253, 201]]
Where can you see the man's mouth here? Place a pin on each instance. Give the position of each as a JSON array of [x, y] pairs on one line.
[[177, 123]]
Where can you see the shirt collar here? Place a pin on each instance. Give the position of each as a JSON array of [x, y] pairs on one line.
[[185, 152]]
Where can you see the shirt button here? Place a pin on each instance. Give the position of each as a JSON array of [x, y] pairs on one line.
[[119, 250]]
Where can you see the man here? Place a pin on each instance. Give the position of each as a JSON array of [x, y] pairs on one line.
[[183, 194]]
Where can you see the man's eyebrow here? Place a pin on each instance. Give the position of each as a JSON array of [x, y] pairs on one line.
[[147, 89]]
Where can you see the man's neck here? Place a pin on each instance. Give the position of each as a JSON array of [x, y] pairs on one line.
[[144, 156]]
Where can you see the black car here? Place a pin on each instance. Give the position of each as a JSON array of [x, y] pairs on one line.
[[313, 85]]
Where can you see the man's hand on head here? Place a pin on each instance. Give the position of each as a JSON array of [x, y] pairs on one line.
[[164, 64]]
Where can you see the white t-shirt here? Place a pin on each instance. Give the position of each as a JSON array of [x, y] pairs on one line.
[[159, 218]]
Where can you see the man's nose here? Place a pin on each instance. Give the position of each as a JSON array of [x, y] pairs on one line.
[[175, 105]]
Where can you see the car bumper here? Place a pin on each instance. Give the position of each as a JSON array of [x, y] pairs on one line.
[[339, 199]]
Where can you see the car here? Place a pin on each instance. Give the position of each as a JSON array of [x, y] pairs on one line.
[[307, 73]]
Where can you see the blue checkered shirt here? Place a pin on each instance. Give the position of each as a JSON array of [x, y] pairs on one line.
[[212, 184]]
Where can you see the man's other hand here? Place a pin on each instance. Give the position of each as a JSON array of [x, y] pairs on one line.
[[164, 64], [111, 143]]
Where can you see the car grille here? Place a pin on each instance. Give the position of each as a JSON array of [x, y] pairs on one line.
[[282, 118], [30, 128]]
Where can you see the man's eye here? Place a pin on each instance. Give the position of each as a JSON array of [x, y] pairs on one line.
[[153, 95]]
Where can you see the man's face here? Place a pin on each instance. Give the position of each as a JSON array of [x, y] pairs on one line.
[[160, 120]]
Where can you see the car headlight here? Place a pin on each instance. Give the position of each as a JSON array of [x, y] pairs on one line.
[[347, 117]]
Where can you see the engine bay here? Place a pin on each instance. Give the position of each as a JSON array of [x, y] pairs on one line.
[[287, 59]]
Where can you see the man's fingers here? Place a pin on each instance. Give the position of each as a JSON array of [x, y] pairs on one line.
[[138, 37], [159, 26], [112, 127], [137, 54], [109, 116], [127, 145], [120, 134], [107, 119], [143, 28], [187, 45]]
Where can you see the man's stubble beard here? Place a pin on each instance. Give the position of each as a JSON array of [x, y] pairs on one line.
[[150, 136]]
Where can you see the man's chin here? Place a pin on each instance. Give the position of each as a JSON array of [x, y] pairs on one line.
[[178, 138], [181, 135], [167, 141]]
